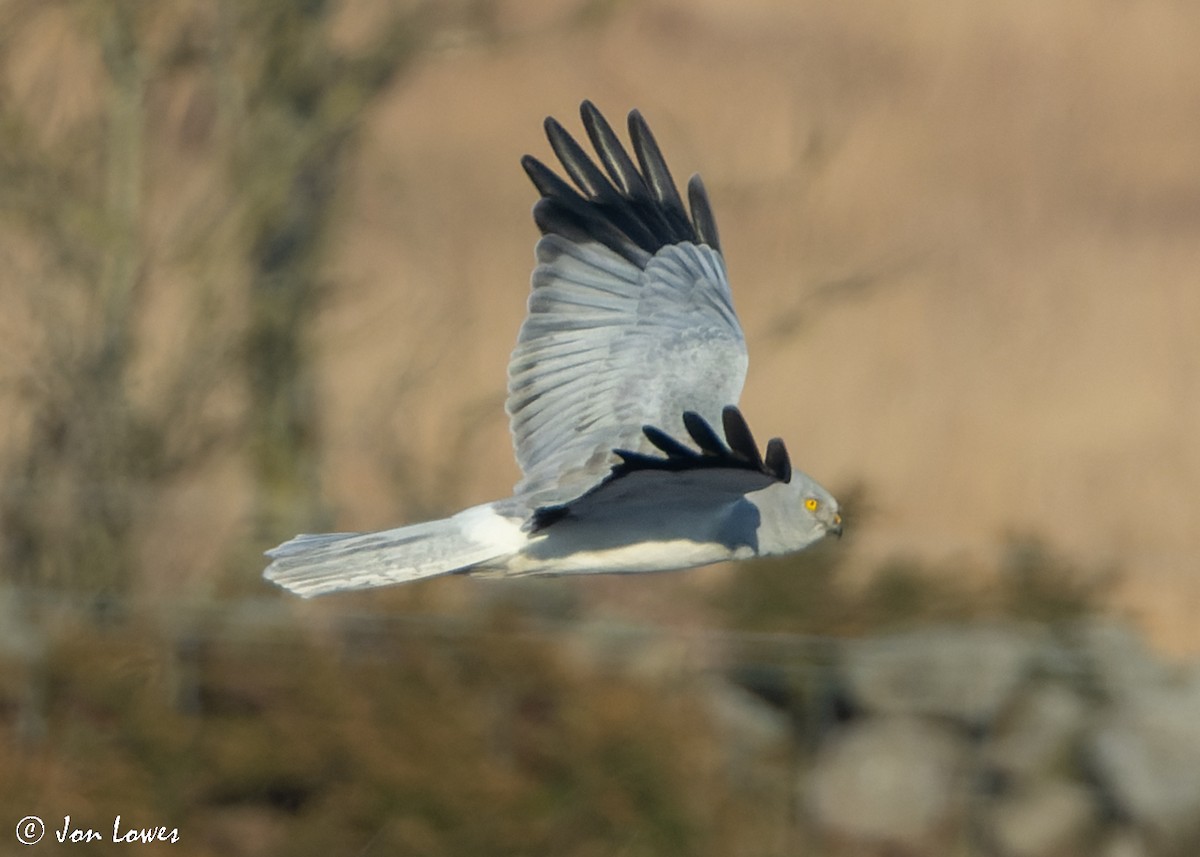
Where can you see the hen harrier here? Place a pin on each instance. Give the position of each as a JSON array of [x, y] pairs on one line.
[[630, 344]]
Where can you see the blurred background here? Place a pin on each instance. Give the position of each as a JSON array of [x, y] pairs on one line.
[[261, 266]]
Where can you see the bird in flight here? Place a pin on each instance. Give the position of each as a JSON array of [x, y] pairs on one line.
[[629, 357]]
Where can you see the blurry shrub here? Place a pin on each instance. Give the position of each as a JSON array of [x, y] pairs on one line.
[[394, 739], [809, 593], [1037, 584]]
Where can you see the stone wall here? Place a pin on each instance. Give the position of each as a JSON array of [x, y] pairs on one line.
[[1005, 740]]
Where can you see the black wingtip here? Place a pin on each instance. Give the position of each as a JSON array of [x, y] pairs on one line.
[[616, 160], [703, 434], [741, 453], [778, 463], [658, 175], [575, 161], [739, 437], [546, 181], [665, 443], [702, 215], [629, 207]]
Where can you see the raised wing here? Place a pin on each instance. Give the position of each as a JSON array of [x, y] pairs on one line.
[[630, 321]]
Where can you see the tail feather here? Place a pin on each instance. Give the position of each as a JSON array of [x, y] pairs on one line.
[[316, 564]]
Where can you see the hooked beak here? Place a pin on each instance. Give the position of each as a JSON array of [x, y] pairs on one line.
[[836, 528]]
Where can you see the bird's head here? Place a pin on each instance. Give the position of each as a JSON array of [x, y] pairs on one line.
[[795, 514], [820, 508]]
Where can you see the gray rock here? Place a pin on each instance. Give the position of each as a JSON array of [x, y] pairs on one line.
[[756, 738], [1041, 733], [1147, 754], [1116, 659], [1051, 817], [1122, 843], [965, 673], [748, 720], [620, 648], [891, 780]]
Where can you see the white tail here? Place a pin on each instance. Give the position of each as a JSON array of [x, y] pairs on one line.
[[311, 565]]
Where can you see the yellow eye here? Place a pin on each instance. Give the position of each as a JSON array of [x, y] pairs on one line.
[[811, 504]]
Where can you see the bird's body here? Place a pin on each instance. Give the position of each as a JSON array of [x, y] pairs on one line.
[[631, 342]]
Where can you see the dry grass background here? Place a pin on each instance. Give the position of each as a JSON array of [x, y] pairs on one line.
[[962, 241], [261, 266]]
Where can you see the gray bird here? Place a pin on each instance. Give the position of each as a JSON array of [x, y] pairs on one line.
[[630, 344]]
